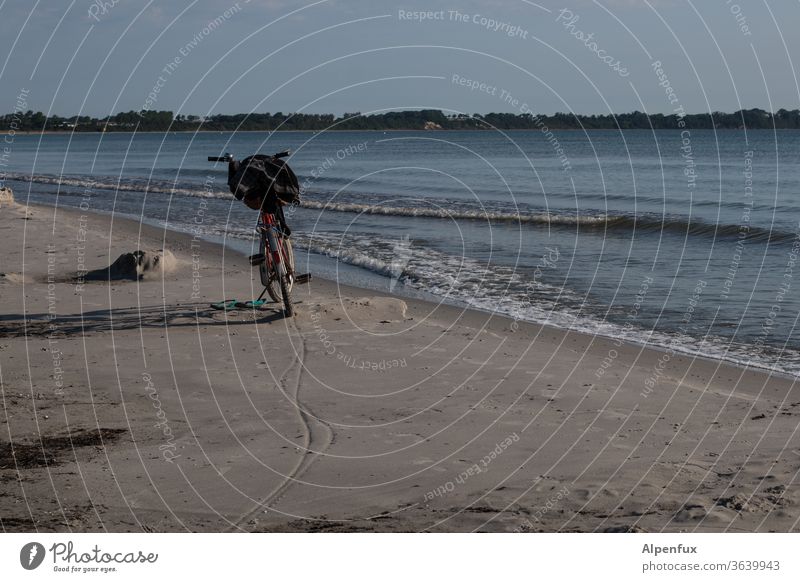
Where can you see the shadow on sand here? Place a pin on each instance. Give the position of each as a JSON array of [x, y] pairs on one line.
[[158, 316]]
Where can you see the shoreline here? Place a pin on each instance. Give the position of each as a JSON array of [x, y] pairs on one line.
[[661, 349], [365, 412], [584, 130]]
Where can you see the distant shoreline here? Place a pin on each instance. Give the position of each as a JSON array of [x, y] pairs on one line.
[[409, 120], [515, 130]]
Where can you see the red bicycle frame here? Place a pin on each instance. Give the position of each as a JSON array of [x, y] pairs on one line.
[[268, 221]]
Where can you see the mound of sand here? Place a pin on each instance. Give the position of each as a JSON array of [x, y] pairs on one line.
[[6, 197], [14, 278], [136, 266]]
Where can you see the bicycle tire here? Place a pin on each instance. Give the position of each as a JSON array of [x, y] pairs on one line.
[[268, 280], [286, 273], [286, 292], [289, 255], [271, 280]]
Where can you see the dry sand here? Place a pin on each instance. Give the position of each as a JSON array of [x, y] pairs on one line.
[[132, 405]]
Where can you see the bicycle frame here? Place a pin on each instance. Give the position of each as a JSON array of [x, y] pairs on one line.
[[275, 257], [269, 224]]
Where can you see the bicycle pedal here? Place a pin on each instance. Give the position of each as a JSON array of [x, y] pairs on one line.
[[302, 279], [257, 259]]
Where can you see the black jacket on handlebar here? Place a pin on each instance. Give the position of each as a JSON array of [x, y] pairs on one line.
[[263, 182]]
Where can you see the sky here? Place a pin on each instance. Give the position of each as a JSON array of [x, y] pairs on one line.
[[201, 57]]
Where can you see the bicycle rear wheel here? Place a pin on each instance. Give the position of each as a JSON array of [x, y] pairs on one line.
[[268, 278], [275, 280]]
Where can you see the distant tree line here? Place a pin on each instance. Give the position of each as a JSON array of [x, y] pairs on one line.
[[418, 119]]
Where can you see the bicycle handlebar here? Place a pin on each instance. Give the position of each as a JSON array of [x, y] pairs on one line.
[[229, 158]]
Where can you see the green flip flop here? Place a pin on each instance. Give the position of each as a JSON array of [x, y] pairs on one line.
[[251, 304], [225, 305]]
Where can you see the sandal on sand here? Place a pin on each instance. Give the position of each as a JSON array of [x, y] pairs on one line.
[[251, 304], [225, 305]]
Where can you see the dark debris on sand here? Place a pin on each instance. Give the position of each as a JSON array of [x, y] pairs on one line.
[[48, 451]]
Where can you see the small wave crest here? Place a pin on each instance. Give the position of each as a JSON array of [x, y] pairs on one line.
[[460, 213], [88, 184], [611, 223]]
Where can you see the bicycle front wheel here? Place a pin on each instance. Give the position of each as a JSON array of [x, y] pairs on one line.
[[286, 292]]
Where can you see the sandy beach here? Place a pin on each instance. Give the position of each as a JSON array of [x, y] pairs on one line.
[[134, 406]]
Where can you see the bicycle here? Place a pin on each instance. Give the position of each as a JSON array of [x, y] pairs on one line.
[[275, 258]]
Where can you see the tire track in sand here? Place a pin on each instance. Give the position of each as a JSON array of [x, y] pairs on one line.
[[318, 436]]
